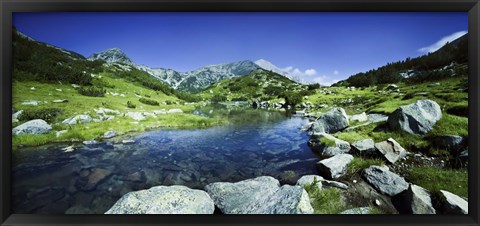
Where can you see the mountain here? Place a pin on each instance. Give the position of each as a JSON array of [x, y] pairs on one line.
[[197, 80], [270, 67], [260, 84], [114, 55], [450, 60], [191, 81]]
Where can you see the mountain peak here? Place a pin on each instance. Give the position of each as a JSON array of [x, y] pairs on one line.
[[113, 55]]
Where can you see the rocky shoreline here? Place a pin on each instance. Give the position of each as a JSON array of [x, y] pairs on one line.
[[377, 186]]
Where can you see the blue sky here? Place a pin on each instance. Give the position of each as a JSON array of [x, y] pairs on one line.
[[317, 46]]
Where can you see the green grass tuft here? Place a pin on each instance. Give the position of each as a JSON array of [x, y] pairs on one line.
[[435, 179]]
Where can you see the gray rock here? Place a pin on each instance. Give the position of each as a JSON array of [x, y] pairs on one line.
[[327, 145], [61, 132], [30, 102], [77, 119], [448, 141], [384, 181], [109, 134], [89, 142], [332, 121], [374, 118], [16, 115], [262, 195], [174, 111], [164, 200], [416, 118], [359, 210], [391, 87], [128, 141], [308, 180], [36, 126], [454, 204], [419, 201], [336, 184], [107, 117], [391, 150], [335, 166], [137, 116], [60, 101], [106, 111], [366, 146], [159, 112], [359, 117]]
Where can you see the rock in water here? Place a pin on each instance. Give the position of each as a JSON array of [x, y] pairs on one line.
[[364, 147], [262, 195], [454, 204], [384, 181], [109, 134], [419, 200], [164, 200], [90, 179], [328, 145], [391, 150], [416, 118], [36, 126], [335, 166], [332, 121]]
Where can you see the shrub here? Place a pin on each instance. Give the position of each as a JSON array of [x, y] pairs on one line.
[[218, 98], [92, 91], [168, 102], [131, 105], [149, 101], [313, 86], [292, 98], [47, 114]]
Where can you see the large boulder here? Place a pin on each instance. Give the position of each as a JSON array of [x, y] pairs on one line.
[[327, 145], [36, 126], [418, 200], [416, 118], [332, 121], [391, 150], [384, 181], [364, 147], [335, 166], [164, 200], [452, 142], [261, 195], [454, 204], [77, 119]]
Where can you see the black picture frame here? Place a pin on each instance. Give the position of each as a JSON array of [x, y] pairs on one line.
[[9, 6]]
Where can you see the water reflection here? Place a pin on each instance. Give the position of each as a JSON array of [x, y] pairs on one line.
[[93, 177]]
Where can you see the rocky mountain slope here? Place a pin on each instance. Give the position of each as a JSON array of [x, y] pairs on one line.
[[196, 80]]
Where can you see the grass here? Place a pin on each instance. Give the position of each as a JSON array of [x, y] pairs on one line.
[[451, 124], [327, 142], [360, 163], [119, 93], [435, 179], [325, 201]]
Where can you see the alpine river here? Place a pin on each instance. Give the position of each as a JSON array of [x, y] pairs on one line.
[[91, 178]]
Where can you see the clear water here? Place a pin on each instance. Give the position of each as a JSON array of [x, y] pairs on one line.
[[92, 178]]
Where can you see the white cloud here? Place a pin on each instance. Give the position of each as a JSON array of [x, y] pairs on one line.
[[437, 45], [324, 80], [310, 72], [335, 72], [297, 72]]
